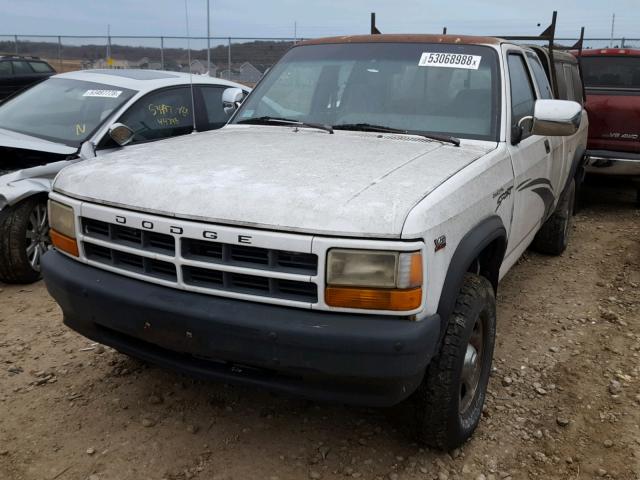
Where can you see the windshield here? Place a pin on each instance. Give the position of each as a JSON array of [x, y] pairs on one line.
[[444, 89], [62, 110], [611, 72]]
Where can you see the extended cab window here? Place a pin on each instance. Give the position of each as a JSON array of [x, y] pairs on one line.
[[160, 115], [216, 117], [540, 76], [522, 94], [5, 68], [578, 91]]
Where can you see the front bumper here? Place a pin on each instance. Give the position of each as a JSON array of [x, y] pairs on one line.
[[348, 358], [607, 162]]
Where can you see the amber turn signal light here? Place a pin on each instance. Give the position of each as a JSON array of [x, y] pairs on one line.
[[373, 298], [64, 243]]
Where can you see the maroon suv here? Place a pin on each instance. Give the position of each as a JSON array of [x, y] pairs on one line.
[[612, 80]]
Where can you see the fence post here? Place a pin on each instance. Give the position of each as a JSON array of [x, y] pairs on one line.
[[60, 53], [229, 61], [161, 53], [15, 38]]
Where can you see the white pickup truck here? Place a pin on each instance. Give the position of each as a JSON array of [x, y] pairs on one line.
[[342, 238]]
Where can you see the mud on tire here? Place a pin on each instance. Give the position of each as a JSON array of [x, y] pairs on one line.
[[446, 410], [553, 237]]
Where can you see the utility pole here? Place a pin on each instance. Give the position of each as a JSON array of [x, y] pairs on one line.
[[109, 60], [295, 32], [613, 24], [208, 40]]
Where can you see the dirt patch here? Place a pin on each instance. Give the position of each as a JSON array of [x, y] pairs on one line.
[[564, 399]]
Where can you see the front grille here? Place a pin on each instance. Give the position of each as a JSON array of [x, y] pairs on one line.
[[201, 264], [250, 284], [130, 262], [129, 237], [241, 255]]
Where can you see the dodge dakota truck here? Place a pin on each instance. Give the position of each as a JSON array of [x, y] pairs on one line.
[[342, 238]]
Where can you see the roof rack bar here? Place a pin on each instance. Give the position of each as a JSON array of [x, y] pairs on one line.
[[548, 35], [374, 29], [580, 43]]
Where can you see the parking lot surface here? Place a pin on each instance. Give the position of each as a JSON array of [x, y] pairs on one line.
[[563, 402]]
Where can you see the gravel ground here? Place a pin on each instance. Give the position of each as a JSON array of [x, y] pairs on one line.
[[564, 397]]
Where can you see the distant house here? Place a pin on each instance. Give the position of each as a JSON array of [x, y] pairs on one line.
[[200, 67], [244, 73], [117, 64], [145, 63]]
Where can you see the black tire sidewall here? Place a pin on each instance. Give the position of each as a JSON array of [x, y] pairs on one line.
[[468, 421], [16, 267]]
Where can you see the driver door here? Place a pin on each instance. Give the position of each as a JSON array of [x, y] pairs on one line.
[[534, 195]]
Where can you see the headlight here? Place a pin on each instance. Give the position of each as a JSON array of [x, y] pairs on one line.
[[63, 227], [374, 279]]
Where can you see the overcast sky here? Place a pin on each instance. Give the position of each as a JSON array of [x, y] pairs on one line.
[[275, 18]]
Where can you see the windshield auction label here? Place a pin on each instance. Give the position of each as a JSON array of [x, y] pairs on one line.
[[450, 60], [102, 93]]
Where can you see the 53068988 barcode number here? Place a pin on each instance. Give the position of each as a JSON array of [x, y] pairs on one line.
[[450, 60]]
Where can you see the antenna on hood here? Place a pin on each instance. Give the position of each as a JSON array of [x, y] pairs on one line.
[[193, 102]]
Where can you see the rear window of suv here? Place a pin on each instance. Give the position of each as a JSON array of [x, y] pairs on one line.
[[611, 72], [40, 67]]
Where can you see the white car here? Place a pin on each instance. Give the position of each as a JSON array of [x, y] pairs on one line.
[[342, 237], [79, 115]]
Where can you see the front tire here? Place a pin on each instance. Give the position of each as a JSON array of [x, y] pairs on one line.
[[553, 237], [24, 238], [448, 404]]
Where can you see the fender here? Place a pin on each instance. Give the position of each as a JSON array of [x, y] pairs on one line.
[[469, 248]]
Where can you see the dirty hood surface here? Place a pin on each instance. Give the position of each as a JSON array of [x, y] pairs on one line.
[[281, 178]]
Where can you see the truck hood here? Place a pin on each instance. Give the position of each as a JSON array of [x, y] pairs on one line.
[[280, 178]]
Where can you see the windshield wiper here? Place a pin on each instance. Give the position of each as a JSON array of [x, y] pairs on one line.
[[368, 127], [267, 120]]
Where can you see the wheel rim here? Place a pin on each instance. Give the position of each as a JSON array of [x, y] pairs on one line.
[[37, 235], [472, 366]]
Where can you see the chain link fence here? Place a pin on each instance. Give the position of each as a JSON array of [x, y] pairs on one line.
[[242, 60]]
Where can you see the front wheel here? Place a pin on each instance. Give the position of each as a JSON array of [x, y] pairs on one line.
[[24, 238], [448, 404]]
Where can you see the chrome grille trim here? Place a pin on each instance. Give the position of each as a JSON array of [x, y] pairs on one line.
[[204, 266]]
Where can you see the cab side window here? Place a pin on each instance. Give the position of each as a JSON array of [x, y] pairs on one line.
[[571, 94], [577, 85], [522, 94], [216, 118], [162, 114], [5, 69], [540, 76]]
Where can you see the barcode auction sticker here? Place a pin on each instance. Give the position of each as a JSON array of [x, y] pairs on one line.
[[450, 60], [102, 93]]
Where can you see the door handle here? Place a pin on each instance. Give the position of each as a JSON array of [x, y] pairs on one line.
[[547, 147]]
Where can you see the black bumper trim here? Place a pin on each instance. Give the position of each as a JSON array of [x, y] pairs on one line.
[[350, 358]]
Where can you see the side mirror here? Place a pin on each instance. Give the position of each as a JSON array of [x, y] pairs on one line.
[[556, 118], [231, 99], [121, 134]]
